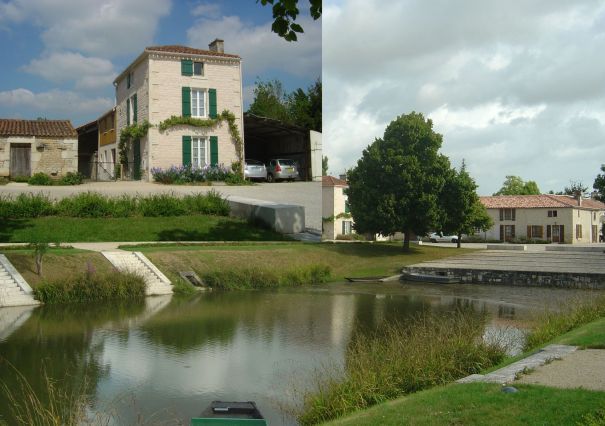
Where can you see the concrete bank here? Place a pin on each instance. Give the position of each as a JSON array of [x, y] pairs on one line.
[[566, 269]]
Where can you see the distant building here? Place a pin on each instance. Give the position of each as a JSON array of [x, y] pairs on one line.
[[555, 218], [32, 146], [335, 208], [166, 81]]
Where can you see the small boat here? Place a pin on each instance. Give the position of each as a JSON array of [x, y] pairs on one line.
[[364, 279], [428, 278], [230, 413]]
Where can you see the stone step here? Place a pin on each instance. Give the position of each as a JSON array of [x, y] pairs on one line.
[[19, 301]]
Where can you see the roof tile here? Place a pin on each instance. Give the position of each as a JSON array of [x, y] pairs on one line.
[[538, 201], [332, 181], [188, 51], [38, 128]]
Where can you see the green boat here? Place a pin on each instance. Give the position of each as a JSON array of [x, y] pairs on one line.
[[221, 413]]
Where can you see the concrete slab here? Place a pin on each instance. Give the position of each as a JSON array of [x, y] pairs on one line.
[[284, 218], [516, 247]]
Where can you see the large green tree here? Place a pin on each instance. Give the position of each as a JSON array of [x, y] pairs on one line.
[[285, 13], [462, 211], [398, 180], [599, 185], [299, 107], [514, 185]]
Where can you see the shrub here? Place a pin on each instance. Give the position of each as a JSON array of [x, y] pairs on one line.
[[26, 206], [40, 179], [162, 205], [20, 178], [400, 358], [211, 203], [256, 278], [351, 237], [71, 179], [91, 287], [124, 206], [85, 204]]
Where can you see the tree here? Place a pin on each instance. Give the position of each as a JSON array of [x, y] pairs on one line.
[[285, 13], [324, 165], [599, 186], [575, 189], [299, 107], [514, 185], [396, 184], [462, 211], [270, 101]]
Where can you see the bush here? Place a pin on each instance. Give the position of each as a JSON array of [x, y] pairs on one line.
[[71, 179], [26, 206], [40, 179], [85, 204], [210, 203], [162, 205], [351, 237], [22, 179], [90, 287], [397, 359], [256, 278], [188, 174]]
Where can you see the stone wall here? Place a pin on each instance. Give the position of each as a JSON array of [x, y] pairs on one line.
[[55, 157], [517, 278]]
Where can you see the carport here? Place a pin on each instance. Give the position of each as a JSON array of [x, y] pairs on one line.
[[88, 142], [266, 138]]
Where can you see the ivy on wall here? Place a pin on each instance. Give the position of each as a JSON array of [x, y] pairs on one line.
[[127, 135], [338, 216]]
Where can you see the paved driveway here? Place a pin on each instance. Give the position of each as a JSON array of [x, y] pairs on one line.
[[306, 194]]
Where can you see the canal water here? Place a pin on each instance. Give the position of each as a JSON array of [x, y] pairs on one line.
[[166, 358]]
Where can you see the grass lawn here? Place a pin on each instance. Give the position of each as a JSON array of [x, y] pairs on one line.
[[483, 404], [343, 259], [591, 335], [175, 228]]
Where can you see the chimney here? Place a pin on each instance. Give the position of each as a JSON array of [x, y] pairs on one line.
[[217, 45], [579, 198]]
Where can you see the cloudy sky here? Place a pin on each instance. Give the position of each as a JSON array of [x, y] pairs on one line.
[[515, 87], [60, 57]]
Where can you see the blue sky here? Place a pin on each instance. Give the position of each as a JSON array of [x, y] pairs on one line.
[[61, 56]]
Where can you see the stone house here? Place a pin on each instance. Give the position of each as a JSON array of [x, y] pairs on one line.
[[32, 146], [179, 81], [335, 208], [555, 218]]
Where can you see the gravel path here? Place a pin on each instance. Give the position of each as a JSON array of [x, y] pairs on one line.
[[580, 369]]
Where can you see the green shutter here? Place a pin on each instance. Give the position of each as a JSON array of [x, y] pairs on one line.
[[214, 150], [186, 102], [212, 102], [134, 107], [128, 112], [128, 81], [186, 67], [186, 150]]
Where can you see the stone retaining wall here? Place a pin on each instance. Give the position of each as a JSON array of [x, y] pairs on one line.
[[518, 278]]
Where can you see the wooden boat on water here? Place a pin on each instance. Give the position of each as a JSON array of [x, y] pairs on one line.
[[428, 278], [365, 279]]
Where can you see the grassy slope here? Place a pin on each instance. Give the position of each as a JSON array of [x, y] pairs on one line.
[[343, 259], [178, 228], [590, 336], [482, 403]]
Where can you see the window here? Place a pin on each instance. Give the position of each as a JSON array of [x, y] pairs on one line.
[[578, 231], [200, 154], [535, 231], [507, 214], [198, 103], [131, 110], [198, 68], [129, 80], [552, 213], [346, 227]]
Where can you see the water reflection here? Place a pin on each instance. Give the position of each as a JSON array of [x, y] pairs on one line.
[[175, 355]]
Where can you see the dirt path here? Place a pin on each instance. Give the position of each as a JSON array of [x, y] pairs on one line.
[[580, 369]]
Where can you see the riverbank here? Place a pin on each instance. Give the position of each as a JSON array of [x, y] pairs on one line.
[[485, 403]]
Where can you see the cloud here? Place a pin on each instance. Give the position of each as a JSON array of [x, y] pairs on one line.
[[86, 72], [210, 10], [515, 88], [57, 103], [107, 28], [261, 49]]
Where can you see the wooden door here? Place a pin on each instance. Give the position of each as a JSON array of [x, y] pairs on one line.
[[557, 233], [20, 164]]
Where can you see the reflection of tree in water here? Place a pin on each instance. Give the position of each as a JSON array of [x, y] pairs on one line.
[[58, 343]]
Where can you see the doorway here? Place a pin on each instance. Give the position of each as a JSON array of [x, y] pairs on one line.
[[20, 163]]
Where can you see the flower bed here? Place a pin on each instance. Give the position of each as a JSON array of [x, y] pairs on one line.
[[188, 174]]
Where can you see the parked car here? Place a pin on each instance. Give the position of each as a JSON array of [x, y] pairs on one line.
[[438, 237], [255, 169], [281, 169]]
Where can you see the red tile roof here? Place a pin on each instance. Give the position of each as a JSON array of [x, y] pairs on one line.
[[332, 181], [38, 128], [188, 51], [538, 201]]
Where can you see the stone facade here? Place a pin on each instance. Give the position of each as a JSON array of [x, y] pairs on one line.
[[52, 156], [157, 82]]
